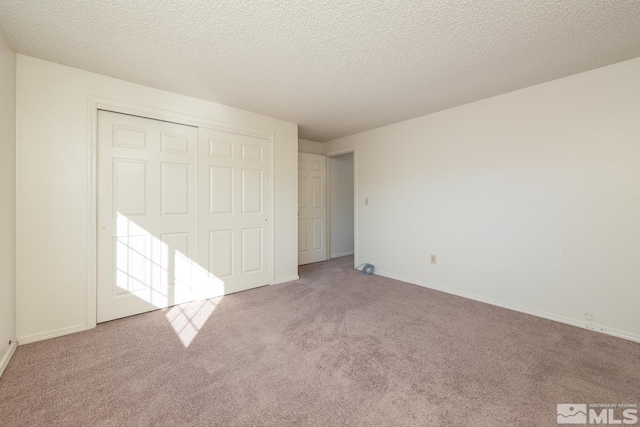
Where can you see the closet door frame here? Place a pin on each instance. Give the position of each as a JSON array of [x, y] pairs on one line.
[[98, 103]]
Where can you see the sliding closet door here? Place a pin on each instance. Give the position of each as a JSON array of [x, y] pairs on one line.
[[183, 214], [234, 205], [147, 215]]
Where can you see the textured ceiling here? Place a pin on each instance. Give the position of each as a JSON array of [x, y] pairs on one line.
[[335, 67]]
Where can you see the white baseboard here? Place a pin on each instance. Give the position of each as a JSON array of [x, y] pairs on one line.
[[51, 334], [286, 279], [340, 254], [7, 356], [538, 313]]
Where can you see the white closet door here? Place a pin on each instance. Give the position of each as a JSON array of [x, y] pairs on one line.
[[147, 215], [235, 244], [312, 208]]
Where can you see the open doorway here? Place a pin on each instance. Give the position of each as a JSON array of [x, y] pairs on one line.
[[341, 186]]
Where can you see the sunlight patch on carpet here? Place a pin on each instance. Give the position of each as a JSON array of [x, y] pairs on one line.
[[188, 319]]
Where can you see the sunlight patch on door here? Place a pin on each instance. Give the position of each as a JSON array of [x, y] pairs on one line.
[[158, 270]]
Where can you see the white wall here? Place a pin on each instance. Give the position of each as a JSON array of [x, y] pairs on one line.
[[309, 147], [530, 199], [52, 187], [7, 197], [341, 204]]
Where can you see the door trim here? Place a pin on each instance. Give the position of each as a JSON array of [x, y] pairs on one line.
[[356, 197], [96, 103]]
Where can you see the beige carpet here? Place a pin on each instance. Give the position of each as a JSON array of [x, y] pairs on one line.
[[335, 348]]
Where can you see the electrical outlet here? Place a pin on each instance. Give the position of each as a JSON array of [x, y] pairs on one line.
[[434, 259], [589, 317]]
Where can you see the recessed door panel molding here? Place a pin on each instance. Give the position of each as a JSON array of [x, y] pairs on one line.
[[174, 188], [175, 242], [251, 191], [129, 186], [220, 190], [303, 236], [318, 233], [175, 266], [235, 208], [252, 257], [316, 189], [312, 208], [147, 215], [303, 190], [251, 152], [133, 269], [221, 253], [220, 148], [176, 144], [129, 137]]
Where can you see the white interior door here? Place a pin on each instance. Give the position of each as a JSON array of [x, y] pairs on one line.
[[235, 205], [312, 208], [147, 215]]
